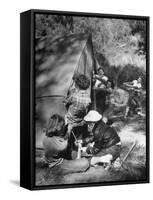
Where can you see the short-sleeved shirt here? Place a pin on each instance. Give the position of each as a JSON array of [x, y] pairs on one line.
[[100, 80], [78, 103]]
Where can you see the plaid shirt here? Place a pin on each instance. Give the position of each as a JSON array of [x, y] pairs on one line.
[[77, 106]]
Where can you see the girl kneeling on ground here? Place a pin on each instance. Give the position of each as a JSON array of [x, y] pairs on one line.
[[55, 148]]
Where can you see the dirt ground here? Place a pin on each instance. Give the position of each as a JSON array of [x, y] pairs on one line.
[[134, 168]]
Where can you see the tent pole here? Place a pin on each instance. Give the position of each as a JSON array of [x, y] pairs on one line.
[[94, 99], [94, 71]]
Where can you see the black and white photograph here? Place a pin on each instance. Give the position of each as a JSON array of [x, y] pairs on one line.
[[91, 99]]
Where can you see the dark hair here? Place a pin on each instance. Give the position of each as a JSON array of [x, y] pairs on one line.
[[82, 81], [56, 126], [100, 68]]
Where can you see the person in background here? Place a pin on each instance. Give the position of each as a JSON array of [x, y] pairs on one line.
[[109, 86], [100, 79], [107, 144], [109, 90], [78, 102], [135, 84], [134, 105]]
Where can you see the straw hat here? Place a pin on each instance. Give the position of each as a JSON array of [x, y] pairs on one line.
[[92, 116]]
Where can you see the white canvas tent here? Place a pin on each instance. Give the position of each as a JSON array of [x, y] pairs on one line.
[[56, 63]]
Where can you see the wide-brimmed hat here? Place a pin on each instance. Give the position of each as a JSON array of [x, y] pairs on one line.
[[92, 116]]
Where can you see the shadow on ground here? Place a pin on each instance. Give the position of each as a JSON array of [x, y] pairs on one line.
[[15, 182]]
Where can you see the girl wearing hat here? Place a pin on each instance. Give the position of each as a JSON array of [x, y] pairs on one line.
[[56, 146], [106, 140], [56, 149]]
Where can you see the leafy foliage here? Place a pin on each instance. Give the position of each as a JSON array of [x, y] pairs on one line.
[[117, 43]]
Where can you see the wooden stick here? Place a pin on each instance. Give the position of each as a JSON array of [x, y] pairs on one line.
[[79, 146], [130, 150]]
